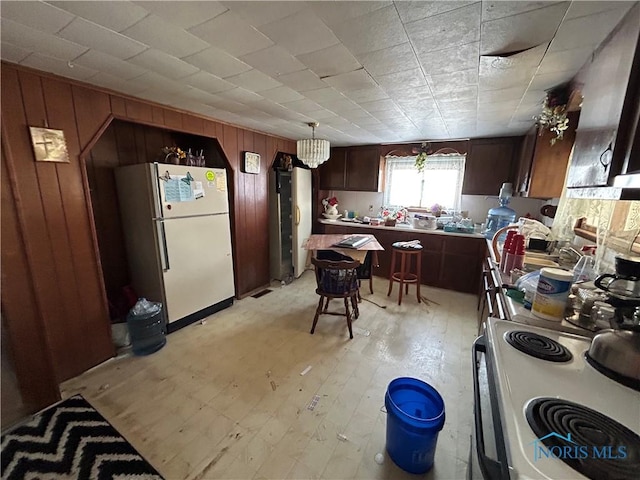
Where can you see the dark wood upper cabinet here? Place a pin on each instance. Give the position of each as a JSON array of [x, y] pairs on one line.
[[542, 167], [489, 164], [351, 168], [332, 172], [363, 166], [610, 104]]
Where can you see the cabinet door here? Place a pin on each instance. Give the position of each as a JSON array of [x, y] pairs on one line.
[[525, 161], [332, 172], [599, 149], [488, 165], [550, 162], [363, 166]]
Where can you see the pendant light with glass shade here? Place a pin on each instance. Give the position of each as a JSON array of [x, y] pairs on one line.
[[313, 151]]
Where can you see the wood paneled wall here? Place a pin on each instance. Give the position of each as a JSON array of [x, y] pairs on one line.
[[51, 271]]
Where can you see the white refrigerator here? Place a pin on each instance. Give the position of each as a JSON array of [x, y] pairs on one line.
[[178, 239]]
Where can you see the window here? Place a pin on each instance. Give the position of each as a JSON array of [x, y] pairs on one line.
[[440, 181]]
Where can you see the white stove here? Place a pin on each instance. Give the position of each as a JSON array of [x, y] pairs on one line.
[[511, 385]]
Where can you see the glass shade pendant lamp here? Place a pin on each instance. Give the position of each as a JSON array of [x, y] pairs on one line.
[[313, 151]]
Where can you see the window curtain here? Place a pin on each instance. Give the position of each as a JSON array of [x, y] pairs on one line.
[[440, 181]]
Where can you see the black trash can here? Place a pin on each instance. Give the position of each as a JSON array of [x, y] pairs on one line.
[[147, 331]]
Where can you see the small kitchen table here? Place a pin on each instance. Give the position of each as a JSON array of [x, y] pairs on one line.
[[325, 242]]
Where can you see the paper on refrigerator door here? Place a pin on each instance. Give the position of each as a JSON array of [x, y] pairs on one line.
[[176, 190]]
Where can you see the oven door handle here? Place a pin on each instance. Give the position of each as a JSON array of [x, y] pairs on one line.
[[490, 468]]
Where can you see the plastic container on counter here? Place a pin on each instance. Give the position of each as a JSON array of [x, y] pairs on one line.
[[551, 295]]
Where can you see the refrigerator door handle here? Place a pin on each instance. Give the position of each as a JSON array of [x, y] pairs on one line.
[[162, 234], [297, 215]]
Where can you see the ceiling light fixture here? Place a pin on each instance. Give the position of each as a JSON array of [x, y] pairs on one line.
[[313, 151]]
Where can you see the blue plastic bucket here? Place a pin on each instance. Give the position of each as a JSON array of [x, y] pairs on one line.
[[415, 415]]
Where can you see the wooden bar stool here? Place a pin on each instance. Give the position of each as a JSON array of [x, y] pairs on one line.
[[404, 276]]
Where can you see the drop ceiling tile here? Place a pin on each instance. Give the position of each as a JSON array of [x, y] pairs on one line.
[[324, 94], [587, 31], [301, 33], [261, 13], [321, 115], [407, 80], [356, 114], [163, 64], [217, 62], [507, 94], [161, 34], [40, 42], [12, 53], [231, 34], [374, 31], [302, 81], [349, 82], [389, 60], [254, 80], [197, 95], [446, 30], [84, 32], [412, 11], [378, 105], [550, 80], [281, 94], [228, 105], [303, 105], [118, 84], [37, 15], [57, 66], [103, 13], [341, 106], [184, 14], [241, 95], [156, 82], [502, 108], [274, 61], [521, 31], [106, 63], [450, 82], [330, 61], [492, 10], [333, 13], [582, 9], [208, 82], [565, 60], [492, 78], [449, 60], [368, 95]]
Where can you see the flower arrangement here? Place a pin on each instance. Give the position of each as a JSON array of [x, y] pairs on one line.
[[421, 159], [333, 201], [554, 112], [436, 209]]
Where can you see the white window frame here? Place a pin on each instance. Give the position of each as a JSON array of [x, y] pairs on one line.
[[433, 162]]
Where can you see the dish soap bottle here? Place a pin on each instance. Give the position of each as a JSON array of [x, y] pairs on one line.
[[499, 217]]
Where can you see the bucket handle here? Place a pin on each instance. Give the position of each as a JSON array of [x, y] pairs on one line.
[[383, 409]]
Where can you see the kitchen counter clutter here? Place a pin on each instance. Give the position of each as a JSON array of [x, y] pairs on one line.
[[403, 227], [449, 260]]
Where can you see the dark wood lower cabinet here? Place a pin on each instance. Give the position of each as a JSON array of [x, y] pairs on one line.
[[449, 262]]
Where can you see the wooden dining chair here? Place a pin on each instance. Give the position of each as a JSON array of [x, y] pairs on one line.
[[337, 279]]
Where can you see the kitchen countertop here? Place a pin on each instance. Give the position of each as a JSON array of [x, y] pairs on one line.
[[517, 312], [403, 227]]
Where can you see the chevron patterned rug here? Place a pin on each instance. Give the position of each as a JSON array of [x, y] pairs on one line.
[[71, 440]]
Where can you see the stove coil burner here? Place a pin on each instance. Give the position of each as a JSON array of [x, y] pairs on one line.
[[588, 429], [538, 346]]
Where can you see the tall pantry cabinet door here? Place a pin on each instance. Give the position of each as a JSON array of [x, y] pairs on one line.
[[302, 220]]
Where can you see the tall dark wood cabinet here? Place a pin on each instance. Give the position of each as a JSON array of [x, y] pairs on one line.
[[610, 105], [351, 168]]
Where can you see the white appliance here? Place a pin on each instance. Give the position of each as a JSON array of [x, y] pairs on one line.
[[520, 399], [177, 233], [289, 221]]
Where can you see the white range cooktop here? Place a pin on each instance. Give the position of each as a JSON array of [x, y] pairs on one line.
[[522, 378]]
